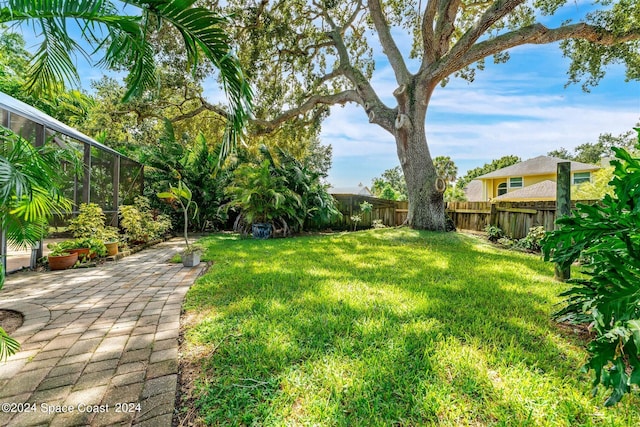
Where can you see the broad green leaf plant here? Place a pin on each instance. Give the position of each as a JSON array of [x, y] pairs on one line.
[[606, 240], [183, 197]]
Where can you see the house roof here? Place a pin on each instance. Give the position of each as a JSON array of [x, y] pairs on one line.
[[545, 190], [473, 191], [360, 190], [540, 165]]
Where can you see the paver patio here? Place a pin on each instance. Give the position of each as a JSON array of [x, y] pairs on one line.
[[99, 345]]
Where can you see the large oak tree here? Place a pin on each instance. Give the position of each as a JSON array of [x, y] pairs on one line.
[[304, 56]]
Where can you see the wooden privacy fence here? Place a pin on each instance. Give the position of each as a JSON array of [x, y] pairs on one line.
[[388, 211], [514, 218]]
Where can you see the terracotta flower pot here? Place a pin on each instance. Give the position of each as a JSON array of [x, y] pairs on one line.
[[63, 261], [83, 253]]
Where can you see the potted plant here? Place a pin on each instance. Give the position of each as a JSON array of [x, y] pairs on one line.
[[181, 197], [75, 246], [110, 238], [60, 258], [90, 223], [94, 247], [262, 197]]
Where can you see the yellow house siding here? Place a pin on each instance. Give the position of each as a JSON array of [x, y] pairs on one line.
[[491, 185], [531, 180]]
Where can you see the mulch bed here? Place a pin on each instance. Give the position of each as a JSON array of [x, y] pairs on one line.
[[10, 320]]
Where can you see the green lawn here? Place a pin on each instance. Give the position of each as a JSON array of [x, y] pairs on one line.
[[386, 327]]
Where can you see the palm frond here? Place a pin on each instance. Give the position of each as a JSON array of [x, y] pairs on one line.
[[29, 186], [53, 60], [203, 30], [8, 345], [24, 234]]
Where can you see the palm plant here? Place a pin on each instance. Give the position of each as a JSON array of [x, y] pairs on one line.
[[263, 196], [446, 168], [317, 206], [29, 195], [123, 41]]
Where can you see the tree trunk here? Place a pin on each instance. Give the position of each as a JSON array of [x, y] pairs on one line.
[[426, 203], [425, 189]]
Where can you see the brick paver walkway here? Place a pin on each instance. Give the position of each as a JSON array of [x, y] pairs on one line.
[[99, 345]]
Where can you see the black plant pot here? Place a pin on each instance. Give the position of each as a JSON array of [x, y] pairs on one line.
[[261, 231]]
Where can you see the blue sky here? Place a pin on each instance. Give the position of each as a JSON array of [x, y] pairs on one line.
[[519, 108]]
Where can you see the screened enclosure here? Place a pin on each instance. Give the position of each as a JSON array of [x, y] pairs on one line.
[[107, 178]]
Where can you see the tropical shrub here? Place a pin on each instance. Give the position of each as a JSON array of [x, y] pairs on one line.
[[193, 162], [317, 207], [141, 223], [607, 239], [262, 196], [532, 240], [90, 219], [493, 233], [90, 223], [282, 191]]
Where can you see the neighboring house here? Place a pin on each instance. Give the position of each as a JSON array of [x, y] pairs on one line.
[[533, 179], [360, 190]]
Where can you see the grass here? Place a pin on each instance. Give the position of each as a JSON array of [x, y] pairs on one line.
[[386, 327]]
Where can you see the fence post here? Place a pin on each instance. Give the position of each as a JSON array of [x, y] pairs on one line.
[[493, 216], [563, 207]]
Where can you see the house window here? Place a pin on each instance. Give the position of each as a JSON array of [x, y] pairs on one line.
[[580, 177], [516, 182], [502, 189]]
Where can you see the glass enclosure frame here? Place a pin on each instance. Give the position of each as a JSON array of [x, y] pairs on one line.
[[109, 178]]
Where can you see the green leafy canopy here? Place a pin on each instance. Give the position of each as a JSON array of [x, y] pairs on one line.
[[119, 41]]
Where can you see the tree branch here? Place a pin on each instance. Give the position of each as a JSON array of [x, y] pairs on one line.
[[376, 110], [204, 106], [389, 46], [340, 98], [330, 76], [447, 11], [428, 36], [497, 11], [539, 34]]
